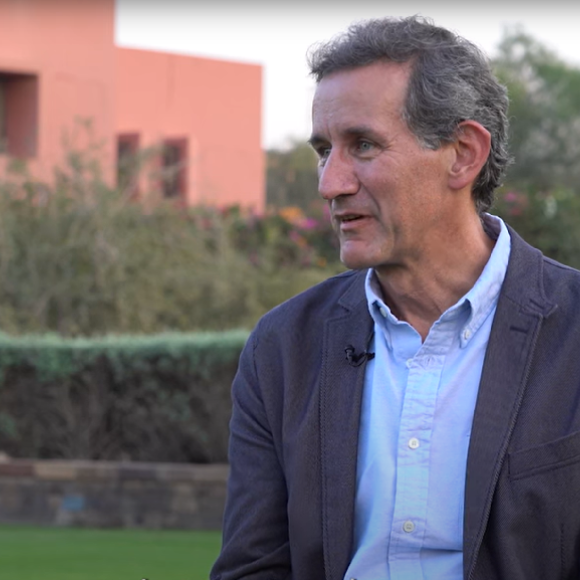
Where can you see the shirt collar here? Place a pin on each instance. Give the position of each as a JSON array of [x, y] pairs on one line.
[[481, 299], [485, 292]]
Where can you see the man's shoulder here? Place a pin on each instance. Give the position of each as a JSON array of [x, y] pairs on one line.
[[318, 302], [559, 270], [535, 278], [560, 279]]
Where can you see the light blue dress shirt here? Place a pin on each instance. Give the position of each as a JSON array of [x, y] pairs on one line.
[[416, 417]]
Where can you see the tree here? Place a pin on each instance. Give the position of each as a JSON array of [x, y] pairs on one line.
[[544, 94], [291, 176], [541, 199]]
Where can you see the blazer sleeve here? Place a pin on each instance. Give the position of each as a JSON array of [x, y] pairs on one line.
[[255, 532]]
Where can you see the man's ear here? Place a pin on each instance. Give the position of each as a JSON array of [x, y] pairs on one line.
[[472, 146]]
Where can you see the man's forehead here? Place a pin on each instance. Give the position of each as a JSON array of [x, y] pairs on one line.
[[353, 98], [380, 80]]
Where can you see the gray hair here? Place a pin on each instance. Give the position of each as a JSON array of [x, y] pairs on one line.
[[451, 81]]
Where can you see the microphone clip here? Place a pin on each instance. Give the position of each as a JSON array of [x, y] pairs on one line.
[[355, 360]]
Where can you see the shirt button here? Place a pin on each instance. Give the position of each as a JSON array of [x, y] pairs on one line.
[[383, 311], [409, 363], [408, 526], [413, 443], [467, 334]]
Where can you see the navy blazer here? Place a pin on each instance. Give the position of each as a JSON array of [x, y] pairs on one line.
[[295, 424]]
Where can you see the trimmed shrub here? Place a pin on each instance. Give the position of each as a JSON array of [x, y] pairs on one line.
[[159, 398]]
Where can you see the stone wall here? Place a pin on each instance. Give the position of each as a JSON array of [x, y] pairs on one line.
[[112, 494]]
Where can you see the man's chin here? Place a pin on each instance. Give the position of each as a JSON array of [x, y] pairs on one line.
[[354, 262]]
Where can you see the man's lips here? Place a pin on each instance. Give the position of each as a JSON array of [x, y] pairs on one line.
[[347, 217], [349, 221]]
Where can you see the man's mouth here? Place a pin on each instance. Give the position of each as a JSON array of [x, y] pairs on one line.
[[348, 217], [350, 222]]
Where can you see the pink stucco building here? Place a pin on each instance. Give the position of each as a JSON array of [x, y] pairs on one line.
[[201, 117]]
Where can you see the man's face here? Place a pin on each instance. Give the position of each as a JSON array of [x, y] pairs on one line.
[[388, 195]]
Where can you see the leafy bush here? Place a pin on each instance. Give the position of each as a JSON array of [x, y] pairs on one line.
[[549, 220], [79, 258]]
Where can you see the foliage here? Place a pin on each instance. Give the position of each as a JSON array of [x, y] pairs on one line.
[[156, 398], [549, 220], [78, 554], [540, 198], [291, 176], [288, 236], [544, 94], [79, 258]]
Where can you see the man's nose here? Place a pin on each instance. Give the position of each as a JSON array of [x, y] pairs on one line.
[[337, 177]]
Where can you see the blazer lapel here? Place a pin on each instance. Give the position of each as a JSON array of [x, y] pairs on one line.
[[520, 311], [340, 404]]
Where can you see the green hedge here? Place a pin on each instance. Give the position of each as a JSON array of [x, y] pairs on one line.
[[156, 398]]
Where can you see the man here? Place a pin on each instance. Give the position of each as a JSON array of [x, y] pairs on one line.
[[417, 416]]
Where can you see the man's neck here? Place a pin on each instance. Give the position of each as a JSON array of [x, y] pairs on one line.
[[422, 289]]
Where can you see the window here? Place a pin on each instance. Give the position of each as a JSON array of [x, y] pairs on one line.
[[18, 114], [174, 174], [128, 163]]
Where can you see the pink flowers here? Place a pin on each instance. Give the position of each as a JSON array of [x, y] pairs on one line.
[[515, 202]]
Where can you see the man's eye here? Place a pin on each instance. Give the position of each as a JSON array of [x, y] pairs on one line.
[[323, 154], [364, 146]]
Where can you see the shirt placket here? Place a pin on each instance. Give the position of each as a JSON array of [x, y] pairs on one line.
[[413, 459]]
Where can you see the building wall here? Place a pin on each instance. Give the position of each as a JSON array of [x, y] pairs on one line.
[[60, 68], [67, 46], [214, 106]]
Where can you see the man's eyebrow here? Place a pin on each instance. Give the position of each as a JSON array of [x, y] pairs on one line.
[[356, 131], [316, 140], [360, 131]]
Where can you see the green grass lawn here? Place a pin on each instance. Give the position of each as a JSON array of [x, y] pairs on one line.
[[28, 553]]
